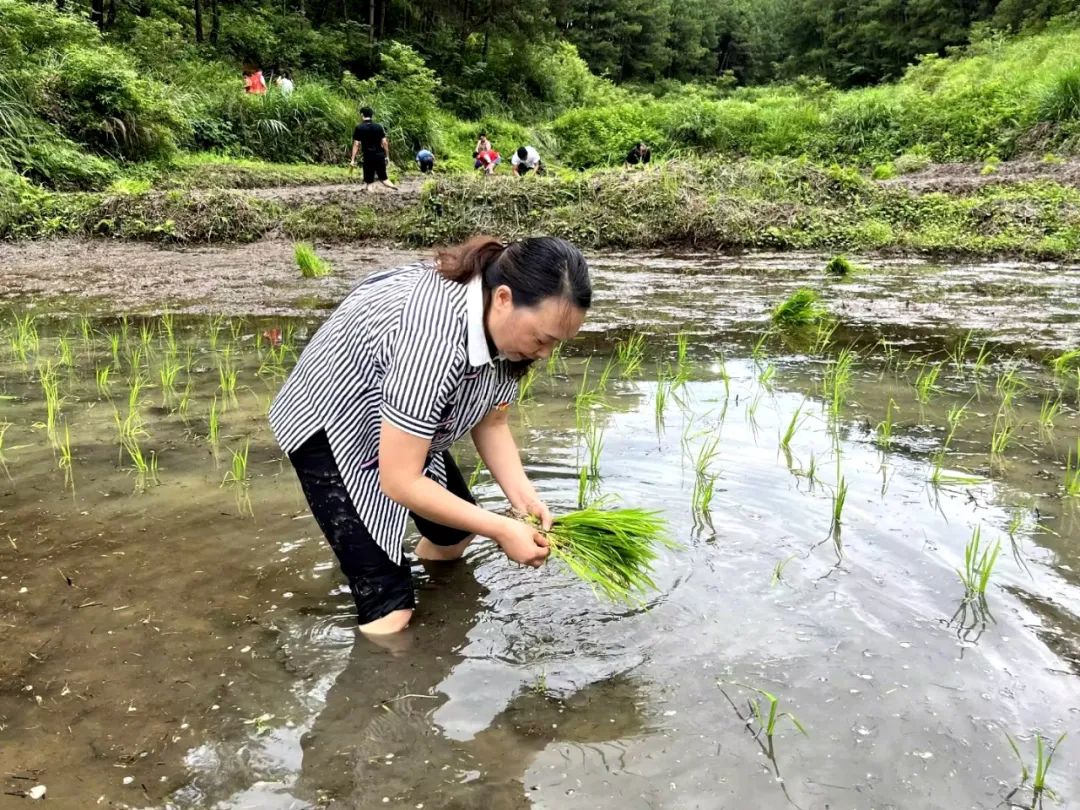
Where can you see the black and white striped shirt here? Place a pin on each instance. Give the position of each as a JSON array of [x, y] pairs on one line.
[[408, 346]]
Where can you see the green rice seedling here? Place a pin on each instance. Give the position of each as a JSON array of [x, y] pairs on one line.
[[778, 570], [982, 360], [682, 356], [24, 340], [227, 376], [146, 336], [792, 428], [114, 347], [810, 473], [801, 308], [65, 352], [1048, 412], [237, 474], [168, 329], [631, 354], [1003, 434], [64, 446], [704, 476], [104, 381], [594, 446], [766, 377], [959, 352], [135, 362], [606, 374], [125, 330], [474, 476], [663, 390], [751, 413], [1044, 757], [213, 423], [311, 266], [1009, 384], [883, 433], [613, 550], [1066, 362], [3, 460], [757, 351], [926, 383], [236, 329], [184, 403], [1072, 473], [939, 477], [823, 336], [167, 373], [145, 466], [50, 388], [954, 418], [839, 498], [86, 329], [978, 566], [214, 327], [554, 361], [525, 385], [723, 375], [768, 719], [838, 382]]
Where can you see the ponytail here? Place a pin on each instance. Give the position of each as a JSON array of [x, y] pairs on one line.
[[462, 263]]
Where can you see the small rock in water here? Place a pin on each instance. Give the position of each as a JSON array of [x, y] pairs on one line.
[[36, 792], [128, 780], [923, 754]]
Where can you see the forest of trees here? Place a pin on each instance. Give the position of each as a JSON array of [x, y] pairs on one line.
[[847, 42]]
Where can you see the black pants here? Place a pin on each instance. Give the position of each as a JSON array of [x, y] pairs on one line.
[[426, 165], [378, 585], [374, 164]]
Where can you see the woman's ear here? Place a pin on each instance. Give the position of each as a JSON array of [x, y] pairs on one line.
[[503, 297]]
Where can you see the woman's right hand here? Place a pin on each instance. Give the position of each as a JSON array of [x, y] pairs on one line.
[[522, 543]]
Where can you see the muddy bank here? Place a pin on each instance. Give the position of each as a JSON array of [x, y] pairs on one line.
[[1029, 307], [966, 178]]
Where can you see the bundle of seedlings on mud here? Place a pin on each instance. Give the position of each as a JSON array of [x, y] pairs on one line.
[[800, 309], [613, 550], [311, 266]]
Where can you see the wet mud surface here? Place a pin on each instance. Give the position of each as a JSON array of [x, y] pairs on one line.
[[964, 178]]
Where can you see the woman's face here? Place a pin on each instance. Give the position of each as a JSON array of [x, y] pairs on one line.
[[530, 333]]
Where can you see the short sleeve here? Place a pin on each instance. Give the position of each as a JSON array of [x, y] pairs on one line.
[[506, 388], [380, 135], [356, 133], [426, 365]]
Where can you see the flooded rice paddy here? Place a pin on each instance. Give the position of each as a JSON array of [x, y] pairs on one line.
[[176, 633]]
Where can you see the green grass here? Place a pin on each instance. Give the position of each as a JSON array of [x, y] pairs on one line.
[[613, 550], [311, 266], [926, 383]]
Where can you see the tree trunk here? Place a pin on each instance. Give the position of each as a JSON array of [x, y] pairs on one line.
[[215, 21], [382, 21], [59, 5], [110, 17], [371, 21], [198, 21], [97, 13]]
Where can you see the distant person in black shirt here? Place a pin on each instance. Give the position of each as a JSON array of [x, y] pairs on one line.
[[371, 138], [639, 154]]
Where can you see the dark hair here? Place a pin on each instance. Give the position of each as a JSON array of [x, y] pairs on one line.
[[367, 112], [522, 152], [483, 134], [534, 270]]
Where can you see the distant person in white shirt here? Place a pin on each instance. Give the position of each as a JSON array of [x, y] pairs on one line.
[[525, 160], [285, 84]]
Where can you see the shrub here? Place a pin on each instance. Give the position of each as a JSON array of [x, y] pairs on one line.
[[96, 96], [1060, 102]]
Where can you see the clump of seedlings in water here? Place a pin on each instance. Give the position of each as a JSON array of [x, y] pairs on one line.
[[1048, 413], [631, 354], [614, 550], [554, 360], [309, 262], [25, 340], [50, 388], [1044, 757], [1002, 435], [958, 353], [103, 380], [65, 352], [704, 475], [883, 433], [1072, 473], [839, 498], [839, 266], [1066, 362], [237, 476], [1008, 386], [64, 446], [801, 308], [213, 423], [227, 376], [978, 566], [838, 382], [926, 383], [792, 429], [167, 373]]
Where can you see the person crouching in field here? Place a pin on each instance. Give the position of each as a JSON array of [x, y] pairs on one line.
[[487, 160], [425, 160], [638, 154]]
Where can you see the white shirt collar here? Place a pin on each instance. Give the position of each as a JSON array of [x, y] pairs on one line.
[[479, 353]]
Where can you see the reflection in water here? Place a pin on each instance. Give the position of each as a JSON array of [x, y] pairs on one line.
[[378, 723]]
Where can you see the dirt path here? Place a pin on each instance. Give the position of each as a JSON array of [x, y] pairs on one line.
[[965, 178]]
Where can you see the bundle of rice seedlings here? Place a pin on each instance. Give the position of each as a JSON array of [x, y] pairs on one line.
[[612, 549], [311, 266], [800, 309]]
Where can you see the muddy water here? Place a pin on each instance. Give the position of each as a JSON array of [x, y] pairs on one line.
[[187, 642]]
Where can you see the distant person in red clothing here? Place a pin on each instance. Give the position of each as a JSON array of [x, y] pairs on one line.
[[487, 160], [254, 82]]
